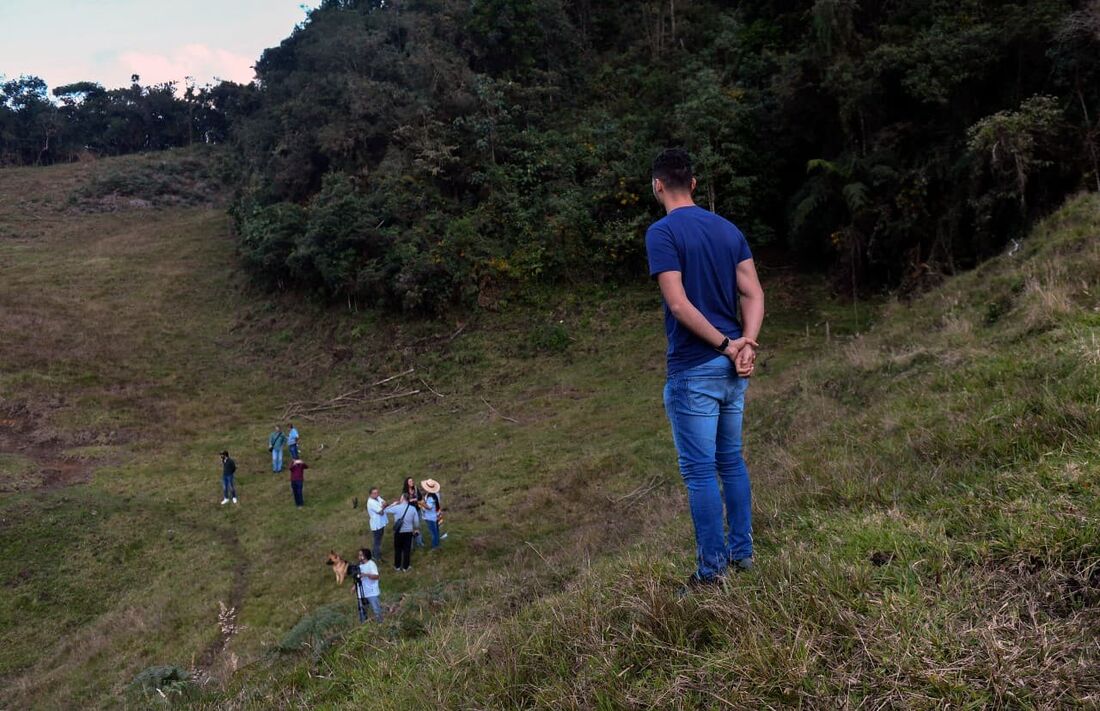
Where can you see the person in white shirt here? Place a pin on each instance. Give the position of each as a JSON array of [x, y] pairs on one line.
[[376, 506], [368, 586]]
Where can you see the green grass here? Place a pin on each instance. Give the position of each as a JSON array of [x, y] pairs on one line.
[[925, 509], [927, 529]]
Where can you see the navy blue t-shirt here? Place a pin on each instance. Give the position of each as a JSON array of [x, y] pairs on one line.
[[706, 250]]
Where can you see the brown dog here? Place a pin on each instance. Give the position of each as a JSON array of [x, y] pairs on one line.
[[339, 566]]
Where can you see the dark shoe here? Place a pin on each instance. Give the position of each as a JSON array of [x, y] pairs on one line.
[[742, 565], [696, 583]]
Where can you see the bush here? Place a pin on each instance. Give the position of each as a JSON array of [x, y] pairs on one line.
[[168, 680], [317, 630]]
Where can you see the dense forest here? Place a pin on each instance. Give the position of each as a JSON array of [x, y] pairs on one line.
[[421, 153], [40, 127], [418, 154]]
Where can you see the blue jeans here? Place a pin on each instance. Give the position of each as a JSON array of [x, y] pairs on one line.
[[294, 451], [375, 606], [296, 488], [228, 489], [277, 460], [705, 405], [376, 548], [433, 526]]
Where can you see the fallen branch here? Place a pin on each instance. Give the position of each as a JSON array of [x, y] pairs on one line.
[[346, 399], [433, 390], [640, 491], [497, 412]]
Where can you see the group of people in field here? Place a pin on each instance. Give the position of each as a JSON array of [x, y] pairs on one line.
[[714, 311], [412, 509], [277, 442]]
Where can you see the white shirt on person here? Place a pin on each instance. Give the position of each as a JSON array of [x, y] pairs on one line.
[[377, 515], [368, 587]]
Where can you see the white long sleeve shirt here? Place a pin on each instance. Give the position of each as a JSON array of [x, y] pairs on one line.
[[377, 515]]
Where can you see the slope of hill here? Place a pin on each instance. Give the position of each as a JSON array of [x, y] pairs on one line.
[[135, 354], [927, 522]]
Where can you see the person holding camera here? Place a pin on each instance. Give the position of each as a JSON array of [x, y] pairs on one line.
[[366, 586], [297, 481]]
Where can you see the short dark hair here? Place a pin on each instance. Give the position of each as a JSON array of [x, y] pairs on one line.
[[225, 454], [365, 552], [672, 166]]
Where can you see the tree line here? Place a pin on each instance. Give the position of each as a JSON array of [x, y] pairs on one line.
[[418, 154], [40, 127]]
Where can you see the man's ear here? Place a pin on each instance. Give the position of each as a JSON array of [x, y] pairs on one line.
[[693, 184]]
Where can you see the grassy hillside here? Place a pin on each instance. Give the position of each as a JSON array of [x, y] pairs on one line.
[[135, 354], [927, 524], [926, 520]]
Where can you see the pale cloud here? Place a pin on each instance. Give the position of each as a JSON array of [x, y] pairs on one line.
[[195, 60]]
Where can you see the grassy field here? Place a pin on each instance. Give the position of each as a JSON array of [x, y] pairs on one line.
[[926, 517]]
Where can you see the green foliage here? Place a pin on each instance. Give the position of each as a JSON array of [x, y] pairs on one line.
[[184, 177], [502, 146], [317, 630], [87, 119], [1014, 144], [162, 682]]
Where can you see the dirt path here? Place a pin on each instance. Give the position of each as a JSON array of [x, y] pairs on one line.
[[211, 658], [48, 470]]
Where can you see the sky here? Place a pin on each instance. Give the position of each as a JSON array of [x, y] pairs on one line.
[[106, 41]]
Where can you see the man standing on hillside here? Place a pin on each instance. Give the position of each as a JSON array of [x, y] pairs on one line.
[[275, 443], [376, 506], [292, 438], [229, 470], [297, 481], [704, 268]]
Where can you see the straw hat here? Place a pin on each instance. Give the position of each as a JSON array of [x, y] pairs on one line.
[[430, 486]]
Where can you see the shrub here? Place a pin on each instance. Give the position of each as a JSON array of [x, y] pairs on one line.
[[167, 680], [317, 630]]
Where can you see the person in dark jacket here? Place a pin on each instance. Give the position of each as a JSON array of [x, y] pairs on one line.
[[229, 469], [297, 479]]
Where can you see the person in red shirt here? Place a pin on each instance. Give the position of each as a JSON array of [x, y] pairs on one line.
[[297, 478]]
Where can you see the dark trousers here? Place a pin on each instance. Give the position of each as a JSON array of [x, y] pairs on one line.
[[230, 491], [402, 550], [376, 548], [296, 487], [294, 450]]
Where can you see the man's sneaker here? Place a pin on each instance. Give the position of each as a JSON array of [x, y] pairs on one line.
[[225, 501], [741, 565], [234, 499], [695, 583]]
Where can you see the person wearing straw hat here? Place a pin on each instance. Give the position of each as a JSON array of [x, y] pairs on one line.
[[433, 512]]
